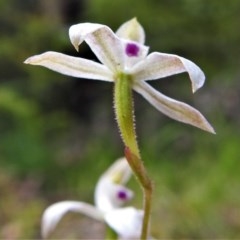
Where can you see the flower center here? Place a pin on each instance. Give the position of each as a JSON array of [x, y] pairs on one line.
[[132, 50], [122, 195]]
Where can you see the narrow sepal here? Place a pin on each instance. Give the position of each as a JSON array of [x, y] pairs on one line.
[[54, 213], [159, 65], [71, 66], [174, 109], [119, 172], [132, 30]]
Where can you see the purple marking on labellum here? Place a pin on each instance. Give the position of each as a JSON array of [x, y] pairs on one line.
[[132, 50], [122, 195]]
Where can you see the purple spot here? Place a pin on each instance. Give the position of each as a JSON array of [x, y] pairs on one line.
[[132, 50], [122, 195]]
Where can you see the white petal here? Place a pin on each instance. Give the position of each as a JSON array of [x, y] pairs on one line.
[[159, 65], [54, 213], [109, 196], [172, 108], [71, 66], [109, 191], [132, 30], [119, 172], [126, 222], [78, 32], [103, 42]]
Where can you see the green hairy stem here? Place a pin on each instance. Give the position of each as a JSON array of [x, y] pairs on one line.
[[124, 110], [123, 103]]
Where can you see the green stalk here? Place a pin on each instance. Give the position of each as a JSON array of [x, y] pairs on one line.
[[123, 103], [110, 234], [124, 110]]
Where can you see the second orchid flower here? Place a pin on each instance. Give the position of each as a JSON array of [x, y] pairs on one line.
[[110, 196]]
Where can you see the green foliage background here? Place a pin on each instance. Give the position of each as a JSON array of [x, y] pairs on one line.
[[58, 134]]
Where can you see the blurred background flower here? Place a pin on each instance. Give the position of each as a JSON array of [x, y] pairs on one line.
[[110, 194], [58, 134]]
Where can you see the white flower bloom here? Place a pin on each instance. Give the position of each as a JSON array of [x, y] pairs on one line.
[[54, 213], [110, 194], [125, 53], [130, 228]]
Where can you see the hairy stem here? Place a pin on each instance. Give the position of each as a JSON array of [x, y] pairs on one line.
[[146, 184], [123, 103]]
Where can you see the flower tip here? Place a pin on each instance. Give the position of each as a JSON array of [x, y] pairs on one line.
[[37, 59], [196, 87], [206, 126], [134, 20], [211, 129], [75, 36], [76, 46], [34, 60], [27, 61], [199, 80], [132, 30], [119, 172]]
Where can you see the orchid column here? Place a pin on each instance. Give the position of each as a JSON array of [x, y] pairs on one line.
[[125, 61]]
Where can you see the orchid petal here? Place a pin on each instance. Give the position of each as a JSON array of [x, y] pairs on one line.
[[109, 191], [132, 30], [109, 196], [78, 32], [126, 222], [119, 172], [53, 214], [174, 109], [71, 66], [101, 39], [159, 65]]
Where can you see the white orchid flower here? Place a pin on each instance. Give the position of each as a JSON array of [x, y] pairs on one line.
[[110, 194], [130, 228], [124, 60], [124, 55]]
